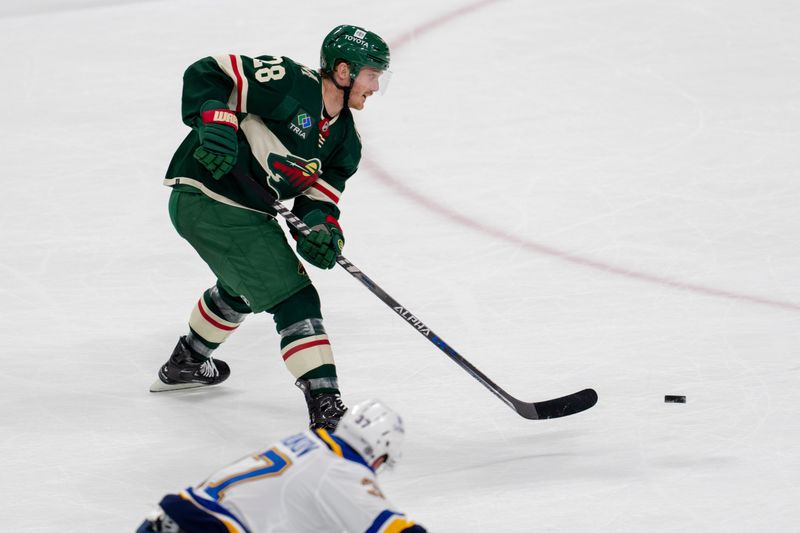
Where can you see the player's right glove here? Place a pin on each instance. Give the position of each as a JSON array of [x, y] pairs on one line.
[[323, 245], [217, 127]]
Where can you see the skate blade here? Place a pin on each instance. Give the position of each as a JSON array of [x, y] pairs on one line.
[[160, 386]]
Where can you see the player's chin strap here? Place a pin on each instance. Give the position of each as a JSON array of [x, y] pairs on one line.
[[345, 94], [346, 89]]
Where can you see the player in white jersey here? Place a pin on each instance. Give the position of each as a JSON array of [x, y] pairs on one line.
[[311, 482]]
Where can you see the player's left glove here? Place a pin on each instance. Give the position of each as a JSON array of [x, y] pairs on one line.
[[219, 145], [323, 245]]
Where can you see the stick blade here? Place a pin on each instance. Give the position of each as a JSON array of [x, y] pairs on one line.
[[160, 386], [557, 407]]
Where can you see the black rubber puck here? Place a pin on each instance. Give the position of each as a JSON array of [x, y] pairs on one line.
[[674, 399]]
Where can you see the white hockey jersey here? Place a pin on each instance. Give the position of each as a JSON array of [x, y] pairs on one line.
[[311, 482]]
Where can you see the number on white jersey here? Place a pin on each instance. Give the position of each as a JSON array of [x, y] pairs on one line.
[[250, 469]]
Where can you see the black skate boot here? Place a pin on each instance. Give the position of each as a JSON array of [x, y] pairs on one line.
[[183, 372], [324, 410]]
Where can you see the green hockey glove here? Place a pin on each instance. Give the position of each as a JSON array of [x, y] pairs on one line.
[[217, 127], [323, 245]]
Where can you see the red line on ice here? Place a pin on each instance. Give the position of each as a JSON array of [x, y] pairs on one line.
[[387, 178]]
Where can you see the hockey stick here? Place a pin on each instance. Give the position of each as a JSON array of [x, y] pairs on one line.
[[555, 408]]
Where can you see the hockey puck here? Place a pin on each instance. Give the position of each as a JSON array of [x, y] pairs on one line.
[[674, 399]]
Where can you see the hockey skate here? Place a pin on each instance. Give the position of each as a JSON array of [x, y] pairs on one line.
[[324, 410], [183, 372]]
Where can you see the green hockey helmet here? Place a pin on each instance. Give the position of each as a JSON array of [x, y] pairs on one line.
[[358, 47]]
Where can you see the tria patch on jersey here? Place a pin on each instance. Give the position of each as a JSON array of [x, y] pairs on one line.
[[290, 175], [301, 123]]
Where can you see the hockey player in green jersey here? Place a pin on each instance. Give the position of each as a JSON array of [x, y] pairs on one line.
[[290, 129]]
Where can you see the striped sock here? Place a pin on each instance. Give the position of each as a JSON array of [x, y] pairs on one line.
[[307, 353], [216, 315]]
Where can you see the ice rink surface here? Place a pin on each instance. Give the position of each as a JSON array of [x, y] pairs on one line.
[[572, 194]]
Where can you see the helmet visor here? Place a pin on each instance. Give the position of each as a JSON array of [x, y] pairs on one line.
[[383, 81], [376, 80]]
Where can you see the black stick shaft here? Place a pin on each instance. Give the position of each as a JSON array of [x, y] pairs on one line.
[[553, 408], [410, 318]]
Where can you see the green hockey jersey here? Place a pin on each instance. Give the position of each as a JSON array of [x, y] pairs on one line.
[[286, 141]]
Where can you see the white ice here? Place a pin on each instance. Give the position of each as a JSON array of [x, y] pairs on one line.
[[629, 171]]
